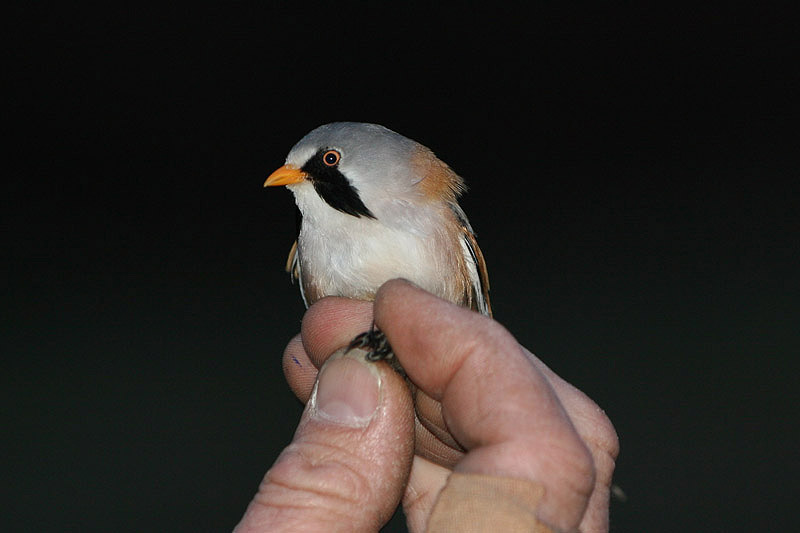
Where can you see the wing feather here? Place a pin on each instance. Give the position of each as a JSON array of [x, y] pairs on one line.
[[479, 276], [476, 265], [293, 268]]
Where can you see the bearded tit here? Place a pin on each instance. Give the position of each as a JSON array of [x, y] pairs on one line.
[[375, 206]]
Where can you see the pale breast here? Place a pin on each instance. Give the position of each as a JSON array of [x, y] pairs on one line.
[[355, 256]]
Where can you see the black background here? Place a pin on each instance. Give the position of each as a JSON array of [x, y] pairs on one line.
[[633, 182]]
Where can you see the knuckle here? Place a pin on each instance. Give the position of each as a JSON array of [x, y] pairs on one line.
[[603, 437], [580, 461]]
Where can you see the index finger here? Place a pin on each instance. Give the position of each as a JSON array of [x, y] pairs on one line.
[[495, 403]]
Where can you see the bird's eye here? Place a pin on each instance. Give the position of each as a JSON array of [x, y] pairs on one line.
[[331, 158]]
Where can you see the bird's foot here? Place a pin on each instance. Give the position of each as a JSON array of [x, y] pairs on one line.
[[374, 342]]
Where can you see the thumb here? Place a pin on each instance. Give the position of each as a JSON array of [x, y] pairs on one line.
[[349, 461]]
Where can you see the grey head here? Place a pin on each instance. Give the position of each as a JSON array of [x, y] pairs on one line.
[[375, 165]]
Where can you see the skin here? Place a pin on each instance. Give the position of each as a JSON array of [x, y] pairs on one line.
[[484, 405]]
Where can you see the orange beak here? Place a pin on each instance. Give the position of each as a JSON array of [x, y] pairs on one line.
[[286, 175]]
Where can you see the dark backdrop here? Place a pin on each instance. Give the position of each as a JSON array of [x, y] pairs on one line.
[[633, 182]]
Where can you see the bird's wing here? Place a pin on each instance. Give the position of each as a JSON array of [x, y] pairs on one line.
[[476, 265], [477, 273], [292, 263], [293, 268]]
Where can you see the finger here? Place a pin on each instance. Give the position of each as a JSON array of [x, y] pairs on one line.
[[424, 485], [494, 401], [327, 326], [434, 441], [348, 463], [331, 323], [597, 431], [300, 372]]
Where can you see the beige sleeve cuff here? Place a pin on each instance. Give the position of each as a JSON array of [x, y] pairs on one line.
[[473, 502]]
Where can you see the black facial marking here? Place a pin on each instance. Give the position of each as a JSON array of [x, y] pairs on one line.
[[333, 187]]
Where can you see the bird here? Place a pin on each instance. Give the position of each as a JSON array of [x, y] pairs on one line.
[[373, 206]]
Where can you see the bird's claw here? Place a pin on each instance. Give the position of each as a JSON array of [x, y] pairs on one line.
[[374, 342]]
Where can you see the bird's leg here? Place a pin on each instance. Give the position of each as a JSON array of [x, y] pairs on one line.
[[374, 342]]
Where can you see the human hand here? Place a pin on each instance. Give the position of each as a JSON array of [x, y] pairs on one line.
[[487, 409]]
